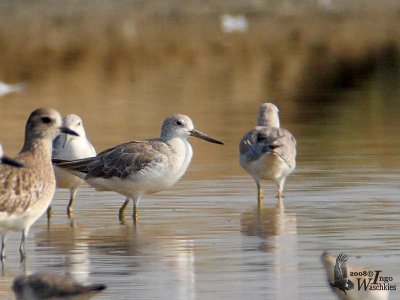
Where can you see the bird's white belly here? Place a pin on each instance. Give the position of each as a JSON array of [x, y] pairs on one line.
[[14, 222], [20, 220], [154, 178], [134, 186], [269, 166]]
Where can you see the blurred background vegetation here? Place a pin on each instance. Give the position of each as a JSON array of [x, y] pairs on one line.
[[295, 51]]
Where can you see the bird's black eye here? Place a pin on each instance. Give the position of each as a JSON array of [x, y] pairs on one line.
[[46, 120], [79, 124], [179, 123]]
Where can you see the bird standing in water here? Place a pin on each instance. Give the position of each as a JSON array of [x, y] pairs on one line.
[[69, 147], [268, 151], [26, 192], [137, 168]]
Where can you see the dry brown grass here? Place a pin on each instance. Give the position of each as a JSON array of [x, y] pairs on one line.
[[292, 51]]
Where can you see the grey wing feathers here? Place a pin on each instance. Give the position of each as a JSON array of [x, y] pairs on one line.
[[340, 271], [119, 161], [265, 139]]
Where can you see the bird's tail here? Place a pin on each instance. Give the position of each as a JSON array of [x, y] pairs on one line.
[[77, 167]]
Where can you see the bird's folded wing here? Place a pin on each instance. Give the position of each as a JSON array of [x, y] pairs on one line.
[[120, 161], [19, 190], [265, 139]]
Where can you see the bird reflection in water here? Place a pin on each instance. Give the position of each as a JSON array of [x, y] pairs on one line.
[[124, 251], [268, 222], [277, 227]]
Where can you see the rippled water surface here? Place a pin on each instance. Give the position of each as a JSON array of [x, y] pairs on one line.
[[205, 238]]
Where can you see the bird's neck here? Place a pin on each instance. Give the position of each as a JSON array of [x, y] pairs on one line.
[[273, 122], [183, 153], [177, 143], [39, 147]]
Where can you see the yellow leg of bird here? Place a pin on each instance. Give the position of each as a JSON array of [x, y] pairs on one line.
[[122, 210], [49, 212], [69, 207], [280, 195], [71, 201], [260, 195], [135, 210]]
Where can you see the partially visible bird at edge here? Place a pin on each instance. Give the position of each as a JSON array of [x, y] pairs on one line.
[[26, 192], [52, 286]]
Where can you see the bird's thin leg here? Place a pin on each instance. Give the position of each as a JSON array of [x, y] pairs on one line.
[[71, 201], [260, 193], [135, 209], [22, 246], [122, 210], [73, 223], [49, 212], [281, 183], [3, 247]]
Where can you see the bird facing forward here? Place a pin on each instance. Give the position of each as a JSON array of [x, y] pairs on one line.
[[70, 147]]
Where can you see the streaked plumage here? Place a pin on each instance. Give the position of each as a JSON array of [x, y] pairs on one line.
[[69, 147], [137, 168], [25, 193], [51, 286], [268, 151]]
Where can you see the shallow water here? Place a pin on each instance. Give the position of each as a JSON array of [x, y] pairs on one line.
[[204, 238]]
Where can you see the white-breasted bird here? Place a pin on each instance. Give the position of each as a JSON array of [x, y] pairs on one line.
[[69, 147], [268, 151], [137, 168]]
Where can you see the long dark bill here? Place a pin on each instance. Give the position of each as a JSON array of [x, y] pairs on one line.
[[11, 162], [68, 131], [205, 137]]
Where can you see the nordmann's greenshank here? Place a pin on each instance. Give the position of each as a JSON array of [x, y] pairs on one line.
[[268, 151], [137, 168]]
